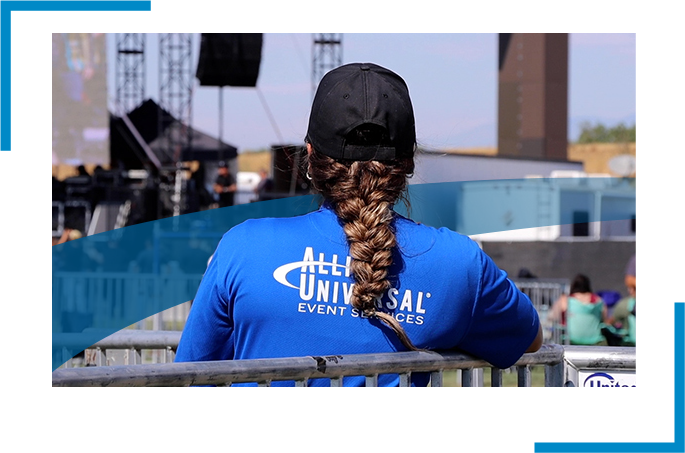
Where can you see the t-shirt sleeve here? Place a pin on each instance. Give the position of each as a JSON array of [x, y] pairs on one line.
[[504, 322], [208, 332]]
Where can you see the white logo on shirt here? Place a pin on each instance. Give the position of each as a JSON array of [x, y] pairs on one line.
[[319, 293]]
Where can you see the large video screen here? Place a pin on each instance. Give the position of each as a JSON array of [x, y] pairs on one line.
[[80, 122]]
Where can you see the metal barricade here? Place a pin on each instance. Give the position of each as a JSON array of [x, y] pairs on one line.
[[126, 347], [599, 366], [117, 361], [75, 212], [92, 292], [543, 293], [264, 372]]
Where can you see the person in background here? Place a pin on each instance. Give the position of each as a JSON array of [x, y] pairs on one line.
[[583, 312], [69, 234], [630, 276], [225, 186], [623, 316], [198, 195], [266, 184]]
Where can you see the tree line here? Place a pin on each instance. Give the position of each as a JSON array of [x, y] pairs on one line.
[[599, 133]]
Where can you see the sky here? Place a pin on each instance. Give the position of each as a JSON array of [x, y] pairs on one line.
[[452, 79]]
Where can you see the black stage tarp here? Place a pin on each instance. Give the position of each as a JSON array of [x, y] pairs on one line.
[[127, 153]]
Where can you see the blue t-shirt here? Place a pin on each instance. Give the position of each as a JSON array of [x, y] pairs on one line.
[[281, 288]]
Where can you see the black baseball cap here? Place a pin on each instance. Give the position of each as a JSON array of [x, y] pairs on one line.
[[356, 94]]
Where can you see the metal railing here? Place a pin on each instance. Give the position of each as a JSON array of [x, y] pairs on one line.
[[110, 294], [126, 347], [543, 293], [563, 366], [59, 216], [300, 369]]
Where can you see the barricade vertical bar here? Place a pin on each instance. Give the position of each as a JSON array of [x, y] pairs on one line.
[[405, 379], [495, 377], [473, 377], [436, 379], [467, 377], [133, 357], [570, 374], [301, 383], [372, 381], [523, 376], [169, 355], [337, 382], [100, 357], [554, 375]]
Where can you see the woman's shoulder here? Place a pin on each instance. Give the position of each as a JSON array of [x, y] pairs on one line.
[[272, 222], [263, 230], [586, 298], [417, 238]]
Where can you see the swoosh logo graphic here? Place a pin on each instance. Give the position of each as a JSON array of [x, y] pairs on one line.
[[281, 272]]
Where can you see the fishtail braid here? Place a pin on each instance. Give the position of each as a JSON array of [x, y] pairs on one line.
[[362, 194]]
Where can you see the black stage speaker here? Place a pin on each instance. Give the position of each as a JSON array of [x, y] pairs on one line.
[[229, 59]]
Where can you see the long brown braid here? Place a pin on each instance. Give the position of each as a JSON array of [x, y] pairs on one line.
[[362, 194]]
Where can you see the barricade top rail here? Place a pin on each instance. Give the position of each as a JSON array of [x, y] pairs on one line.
[[285, 369], [123, 339], [601, 357]]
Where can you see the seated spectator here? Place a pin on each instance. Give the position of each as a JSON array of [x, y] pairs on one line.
[[583, 312], [623, 320]]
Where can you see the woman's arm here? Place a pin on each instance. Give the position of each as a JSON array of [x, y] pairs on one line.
[[537, 342]]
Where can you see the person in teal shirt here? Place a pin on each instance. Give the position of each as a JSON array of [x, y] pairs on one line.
[[583, 312]]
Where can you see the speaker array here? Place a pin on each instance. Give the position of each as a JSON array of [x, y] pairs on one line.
[[229, 59]]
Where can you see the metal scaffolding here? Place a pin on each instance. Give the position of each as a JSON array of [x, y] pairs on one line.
[[326, 55], [176, 88], [175, 97], [130, 71]]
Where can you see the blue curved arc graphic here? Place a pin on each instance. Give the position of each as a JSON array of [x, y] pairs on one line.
[[162, 262]]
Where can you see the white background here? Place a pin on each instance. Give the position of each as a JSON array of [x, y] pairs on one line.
[[448, 419]]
